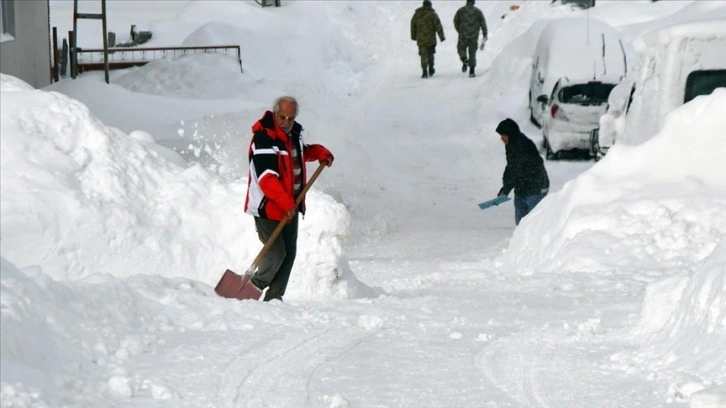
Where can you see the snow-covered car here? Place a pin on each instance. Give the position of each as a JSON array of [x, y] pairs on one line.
[[676, 64], [603, 136], [574, 48], [573, 109], [580, 3]]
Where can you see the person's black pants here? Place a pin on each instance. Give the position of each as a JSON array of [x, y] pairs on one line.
[[273, 272]]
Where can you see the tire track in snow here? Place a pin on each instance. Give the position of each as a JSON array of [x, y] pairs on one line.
[[511, 365], [279, 373], [555, 369]]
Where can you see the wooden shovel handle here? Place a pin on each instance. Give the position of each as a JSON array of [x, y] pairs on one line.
[[251, 270]]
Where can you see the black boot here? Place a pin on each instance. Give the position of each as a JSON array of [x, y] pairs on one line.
[[463, 67], [425, 74], [471, 72], [432, 71]]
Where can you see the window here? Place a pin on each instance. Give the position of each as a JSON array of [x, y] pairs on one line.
[[7, 20], [591, 93], [704, 82]]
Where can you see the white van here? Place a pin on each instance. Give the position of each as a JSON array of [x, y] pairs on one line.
[[574, 48], [612, 122], [676, 64]]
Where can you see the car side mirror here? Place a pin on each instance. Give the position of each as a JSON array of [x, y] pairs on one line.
[[542, 99]]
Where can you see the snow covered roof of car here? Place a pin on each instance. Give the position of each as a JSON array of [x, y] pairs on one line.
[[714, 28], [581, 48]]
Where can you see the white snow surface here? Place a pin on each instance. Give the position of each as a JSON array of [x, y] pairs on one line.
[[122, 204]]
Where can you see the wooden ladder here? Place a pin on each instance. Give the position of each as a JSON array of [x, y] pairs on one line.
[[74, 43]]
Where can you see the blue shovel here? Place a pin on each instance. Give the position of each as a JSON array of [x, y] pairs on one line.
[[496, 201]]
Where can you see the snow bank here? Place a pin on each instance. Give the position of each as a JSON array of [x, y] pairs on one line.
[[81, 198], [683, 330], [188, 77], [57, 336], [53, 331], [659, 205]]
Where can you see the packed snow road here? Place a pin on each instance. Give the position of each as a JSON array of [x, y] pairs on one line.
[[445, 333], [402, 294]]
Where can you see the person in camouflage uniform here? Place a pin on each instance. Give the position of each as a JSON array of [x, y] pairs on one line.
[[425, 24], [467, 21]]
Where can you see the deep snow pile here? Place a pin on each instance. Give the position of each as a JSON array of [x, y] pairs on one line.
[[92, 199], [659, 205], [652, 210], [73, 343], [683, 325]]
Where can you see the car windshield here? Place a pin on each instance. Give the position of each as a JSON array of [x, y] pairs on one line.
[[591, 93]]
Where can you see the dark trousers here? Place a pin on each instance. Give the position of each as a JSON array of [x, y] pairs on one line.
[[524, 204], [467, 50], [427, 56], [273, 272]]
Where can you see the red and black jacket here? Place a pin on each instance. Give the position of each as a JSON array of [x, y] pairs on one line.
[[270, 184]]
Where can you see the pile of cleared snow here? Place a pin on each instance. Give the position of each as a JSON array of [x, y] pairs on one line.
[[188, 77], [659, 205], [81, 198], [55, 333], [74, 341], [683, 328]]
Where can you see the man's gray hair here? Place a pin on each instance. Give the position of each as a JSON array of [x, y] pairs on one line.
[[278, 101]]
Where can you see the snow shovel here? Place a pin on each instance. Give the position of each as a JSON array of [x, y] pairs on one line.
[[232, 285], [496, 201]]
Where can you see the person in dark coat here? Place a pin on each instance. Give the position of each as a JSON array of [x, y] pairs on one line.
[[425, 24], [525, 171]]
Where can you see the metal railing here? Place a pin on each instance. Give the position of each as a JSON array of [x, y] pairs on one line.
[[92, 59]]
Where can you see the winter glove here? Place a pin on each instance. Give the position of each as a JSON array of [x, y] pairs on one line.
[[291, 213], [329, 159], [502, 192], [483, 41]]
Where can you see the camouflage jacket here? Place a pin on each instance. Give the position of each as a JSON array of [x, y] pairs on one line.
[[425, 24], [468, 20]]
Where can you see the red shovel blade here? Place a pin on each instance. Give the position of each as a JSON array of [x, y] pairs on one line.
[[235, 286]]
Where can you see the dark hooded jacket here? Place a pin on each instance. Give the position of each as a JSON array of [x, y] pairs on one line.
[[525, 171]]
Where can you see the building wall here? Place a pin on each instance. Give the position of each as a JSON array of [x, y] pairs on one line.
[[27, 54]]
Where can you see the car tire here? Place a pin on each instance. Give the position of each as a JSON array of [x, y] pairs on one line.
[[549, 154], [533, 120], [594, 145], [531, 112]]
